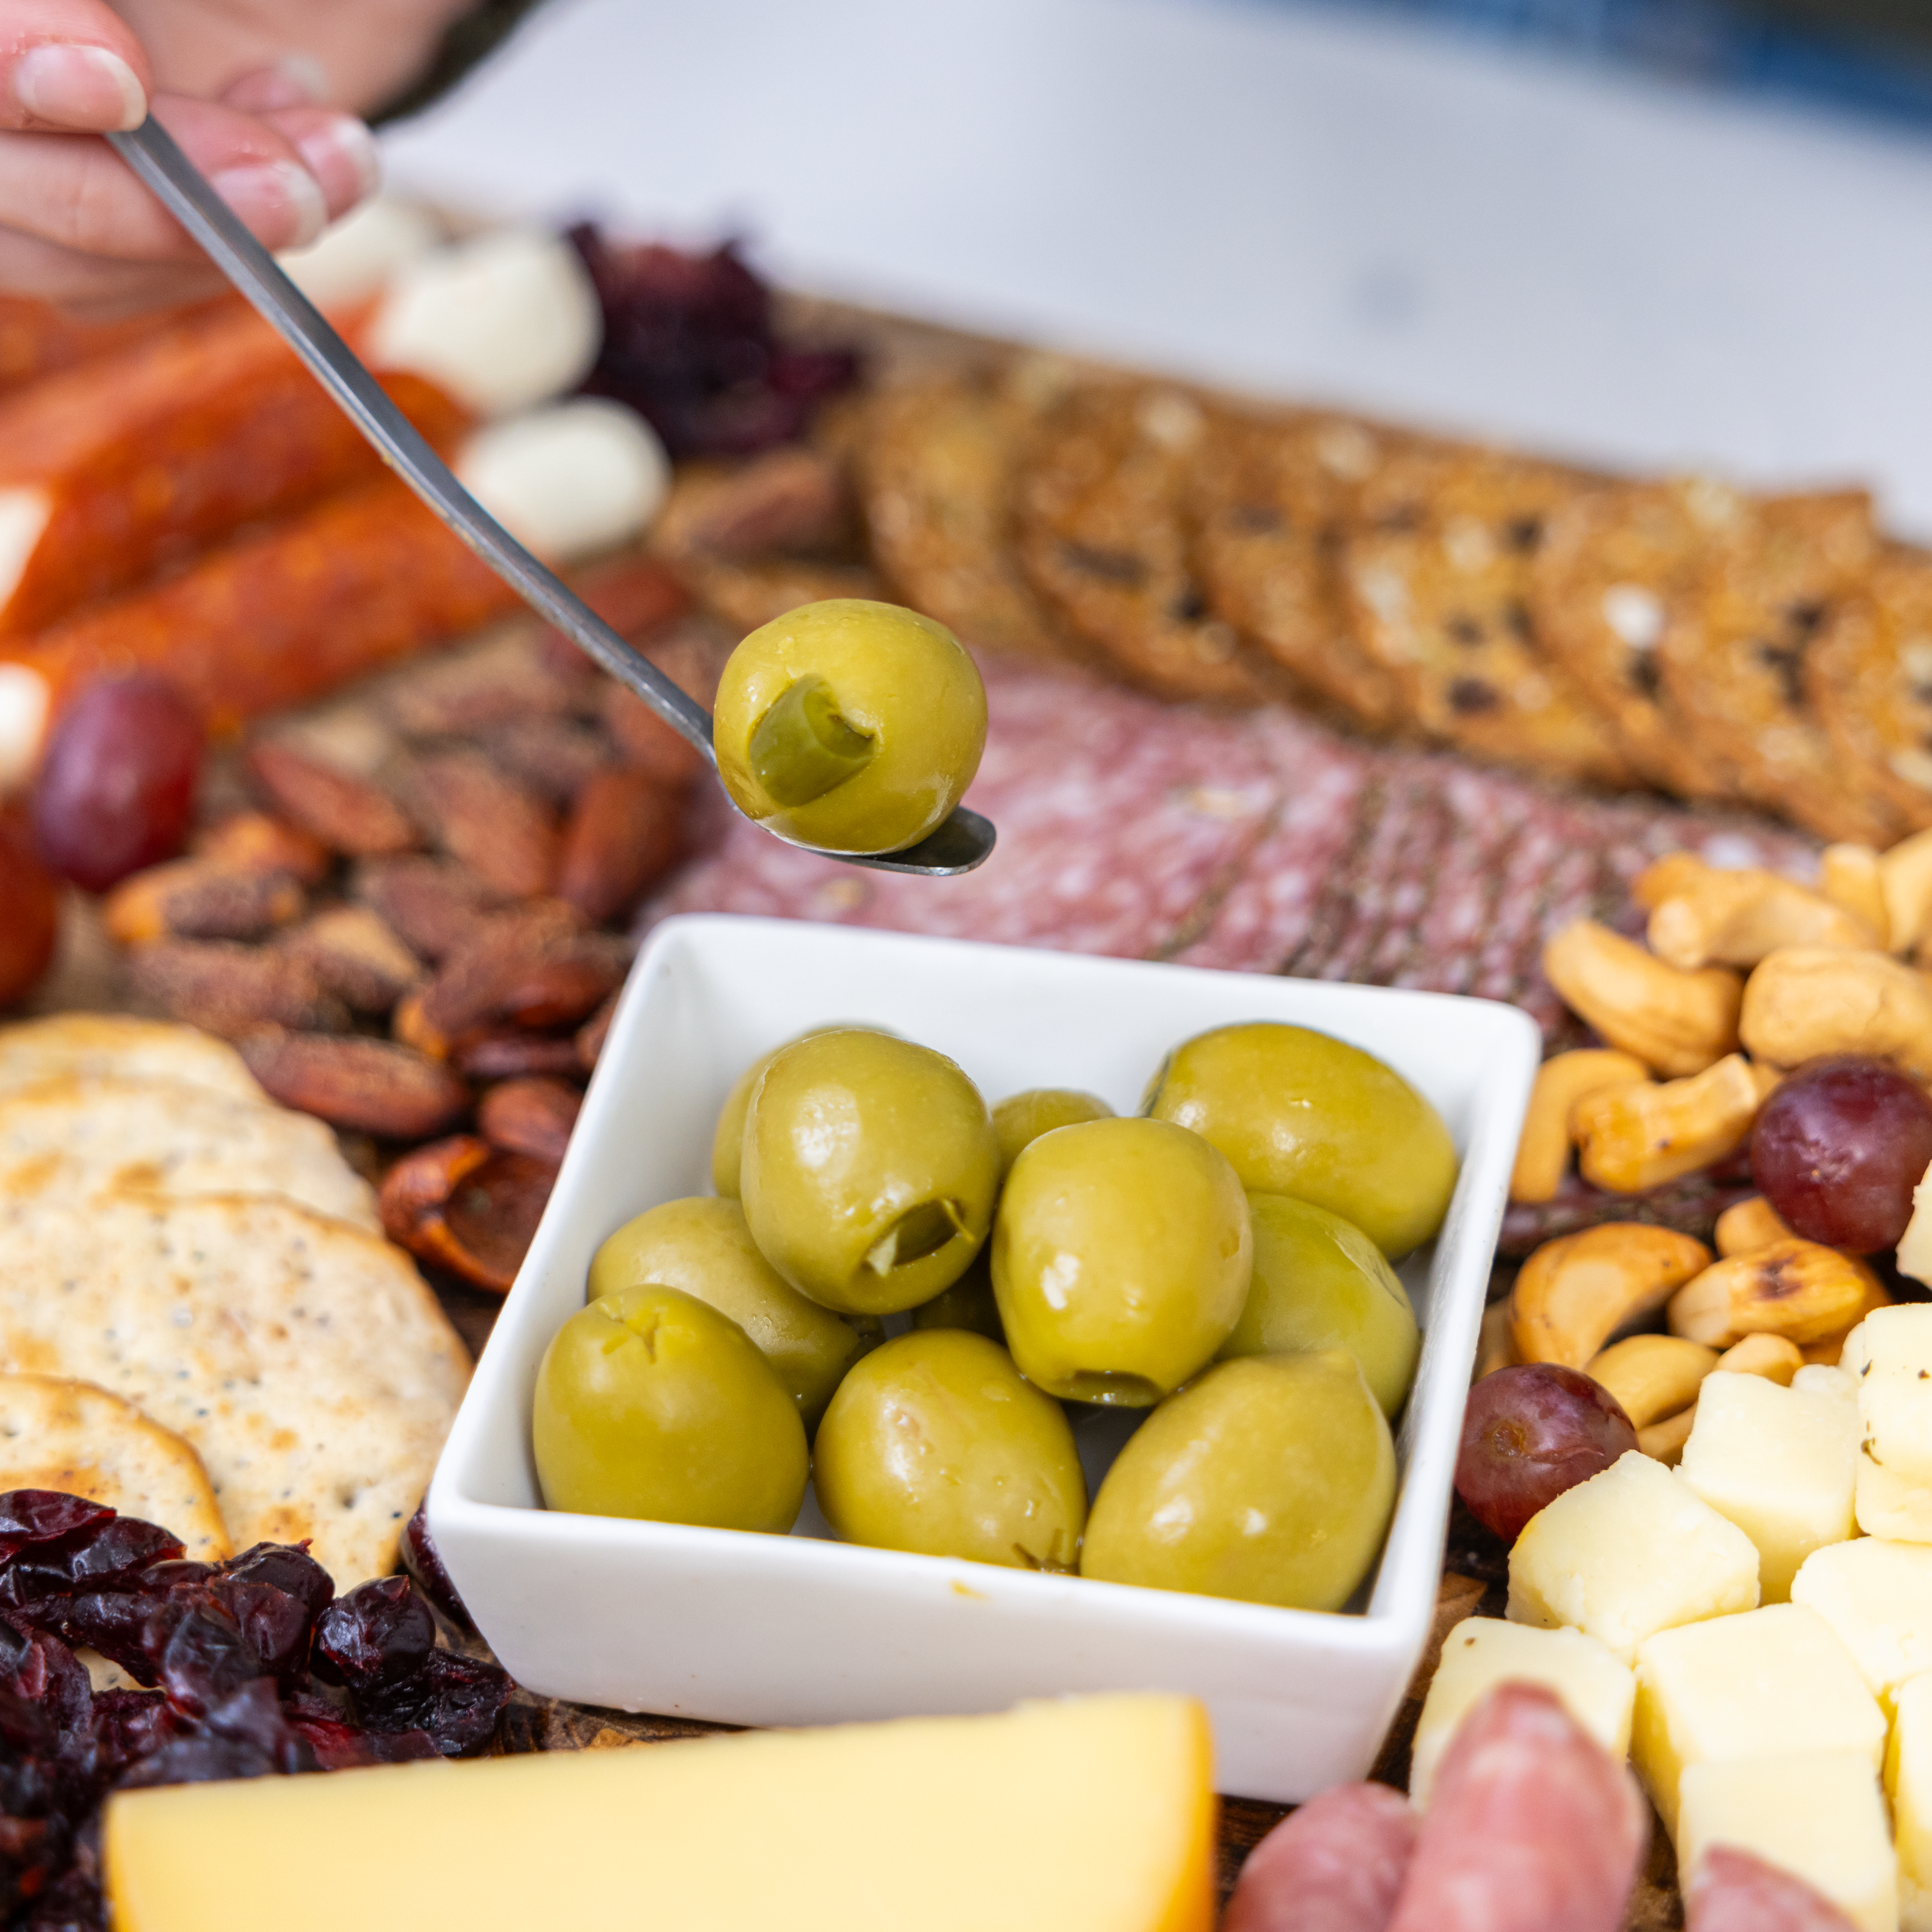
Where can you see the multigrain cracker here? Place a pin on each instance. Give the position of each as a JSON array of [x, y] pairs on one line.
[[1269, 503], [305, 1361], [59, 1434], [936, 470], [94, 1044], [1732, 660], [1437, 580], [1869, 680], [77, 1138], [1104, 538], [1614, 565]]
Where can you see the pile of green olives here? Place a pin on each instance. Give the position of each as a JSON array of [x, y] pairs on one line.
[[915, 1301]]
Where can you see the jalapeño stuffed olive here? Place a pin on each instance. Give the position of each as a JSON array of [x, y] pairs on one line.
[[868, 1172], [849, 725]]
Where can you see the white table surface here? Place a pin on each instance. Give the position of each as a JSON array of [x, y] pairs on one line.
[[1306, 201]]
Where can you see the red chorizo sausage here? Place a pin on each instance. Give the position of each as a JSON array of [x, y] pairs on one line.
[[1734, 1891], [1335, 1865]]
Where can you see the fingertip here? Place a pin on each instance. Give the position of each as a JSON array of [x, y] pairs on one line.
[[85, 89], [281, 202], [342, 154], [294, 81]]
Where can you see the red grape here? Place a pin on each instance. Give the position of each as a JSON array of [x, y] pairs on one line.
[[1838, 1148], [117, 785], [29, 914], [1528, 1434]]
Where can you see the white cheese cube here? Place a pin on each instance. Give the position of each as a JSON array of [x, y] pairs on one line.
[[1818, 1815], [1894, 1366], [1914, 1248], [1628, 1553], [1821, 1378], [1781, 1463], [1481, 1652], [1876, 1595], [1908, 1780], [1764, 1684]]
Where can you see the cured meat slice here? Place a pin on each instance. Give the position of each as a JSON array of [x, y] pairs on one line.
[[125, 463], [1532, 1825], [1334, 1865], [1734, 1891], [36, 340]]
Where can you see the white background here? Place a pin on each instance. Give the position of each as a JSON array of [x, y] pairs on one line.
[[1309, 202]]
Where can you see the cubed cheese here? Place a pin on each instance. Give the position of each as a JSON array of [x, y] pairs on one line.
[[1821, 1378], [1781, 1463], [1631, 1551], [1481, 1652], [1877, 1595], [1766, 1684], [1908, 1780], [1893, 1365], [1819, 1815], [1096, 1814]]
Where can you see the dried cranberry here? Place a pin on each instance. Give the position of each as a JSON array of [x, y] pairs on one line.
[[199, 1650], [381, 1632], [113, 1622], [128, 1725], [43, 1516], [275, 1627], [456, 1699], [288, 1566], [423, 1561], [94, 1557]]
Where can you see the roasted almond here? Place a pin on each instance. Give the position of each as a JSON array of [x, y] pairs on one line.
[[592, 1035], [196, 899], [230, 989], [624, 833], [533, 1116], [497, 827], [787, 499], [470, 690], [368, 1086], [355, 953], [433, 905], [348, 813], [254, 841], [509, 1053], [556, 757]]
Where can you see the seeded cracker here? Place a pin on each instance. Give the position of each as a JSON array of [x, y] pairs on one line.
[[1437, 581], [1869, 679], [56, 1434], [93, 1044], [1732, 660], [305, 1361], [937, 468], [1104, 537], [1270, 500], [74, 1137]]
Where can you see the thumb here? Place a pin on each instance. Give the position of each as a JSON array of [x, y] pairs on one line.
[[70, 66]]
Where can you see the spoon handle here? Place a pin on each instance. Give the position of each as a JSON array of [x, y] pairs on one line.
[[151, 151]]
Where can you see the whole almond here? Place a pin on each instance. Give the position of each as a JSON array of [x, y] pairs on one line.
[[498, 828], [230, 989], [355, 954], [434, 905], [623, 834], [254, 841], [197, 899], [533, 1116], [368, 1086], [348, 813], [509, 1053]]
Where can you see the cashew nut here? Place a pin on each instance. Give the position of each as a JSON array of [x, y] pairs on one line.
[[1809, 1000], [1664, 878], [1652, 1376], [1665, 1440], [1543, 1153], [1637, 1136], [1749, 1224], [1772, 1357], [1905, 878], [1574, 1293], [1735, 918], [1829, 1348], [1795, 1289], [1675, 1022], [1497, 1348], [1849, 876]]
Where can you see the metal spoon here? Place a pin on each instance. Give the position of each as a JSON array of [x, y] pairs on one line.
[[962, 842]]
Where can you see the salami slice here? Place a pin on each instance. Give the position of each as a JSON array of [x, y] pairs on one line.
[[1532, 1825], [1734, 1891], [36, 340], [1335, 1865]]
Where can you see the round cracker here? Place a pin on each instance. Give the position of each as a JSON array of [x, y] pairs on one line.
[[94, 1045], [306, 1361], [56, 1433]]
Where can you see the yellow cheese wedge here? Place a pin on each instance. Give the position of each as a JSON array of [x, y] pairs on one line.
[[1092, 1815]]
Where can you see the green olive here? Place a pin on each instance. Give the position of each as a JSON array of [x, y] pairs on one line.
[[1121, 1256], [1300, 1113], [1023, 1117], [1320, 1282], [869, 1171], [968, 1304], [727, 1137], [934, 1444], [650, 1403], [703, 1247], [849, 725], [1270, 1480]]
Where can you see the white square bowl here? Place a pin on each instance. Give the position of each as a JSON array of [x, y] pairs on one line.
[[800, 1630]]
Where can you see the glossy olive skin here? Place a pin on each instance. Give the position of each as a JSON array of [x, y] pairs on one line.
[[968, 1304], [703, 1247], [650, 1403], [1021, 1118], [728, 1138], [1271, 1479], [1121, 1256], [903, 701], [1300, 1113], [934, 1444], [1320, 1282], [868, 1172]]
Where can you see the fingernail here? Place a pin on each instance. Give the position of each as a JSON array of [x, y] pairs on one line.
[[342, 155], [91, 88], [281, 203]]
